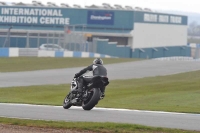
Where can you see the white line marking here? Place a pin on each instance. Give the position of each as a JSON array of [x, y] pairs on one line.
[[25, 118], [98, 108]]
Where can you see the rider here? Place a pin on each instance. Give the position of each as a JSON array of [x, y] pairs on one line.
[[98, 70]]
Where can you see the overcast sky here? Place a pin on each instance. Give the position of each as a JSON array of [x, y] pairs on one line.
[[177, 5]]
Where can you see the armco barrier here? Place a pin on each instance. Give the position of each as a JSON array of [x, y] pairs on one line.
[[17, 52], [33, 52]]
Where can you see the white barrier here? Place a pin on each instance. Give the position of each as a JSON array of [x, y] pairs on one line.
[[15, 52], [42, 53], [176, 58]]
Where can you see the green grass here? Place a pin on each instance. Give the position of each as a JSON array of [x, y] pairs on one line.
[[91, 126], [14, 64], [175, 93]]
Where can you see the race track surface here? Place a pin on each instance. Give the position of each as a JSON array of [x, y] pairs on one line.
[[57, 113], [127, 70]]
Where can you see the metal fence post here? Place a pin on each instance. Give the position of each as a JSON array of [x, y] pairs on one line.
[[7, 40], [27, 39], [38, 40]]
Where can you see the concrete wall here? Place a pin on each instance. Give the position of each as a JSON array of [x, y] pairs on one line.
[[112, 49], [107, 50], [158, 35], [158, 52]]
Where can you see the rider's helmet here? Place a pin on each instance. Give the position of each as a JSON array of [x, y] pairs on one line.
[[98, 61]]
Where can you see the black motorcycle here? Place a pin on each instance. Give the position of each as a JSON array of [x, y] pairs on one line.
[[90, 95]]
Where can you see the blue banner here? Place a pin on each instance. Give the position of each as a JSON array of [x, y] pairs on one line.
[[100, 17]]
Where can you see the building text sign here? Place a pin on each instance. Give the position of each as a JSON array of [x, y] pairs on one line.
[[100, 17], [33, 16], [162, 18]]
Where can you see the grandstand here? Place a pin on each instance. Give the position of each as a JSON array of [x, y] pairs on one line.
[[111, 30]]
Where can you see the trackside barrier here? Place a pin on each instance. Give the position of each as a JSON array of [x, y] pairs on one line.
[[9, 52], [17, 52], [176, 58], [113, 49], [43, 53]]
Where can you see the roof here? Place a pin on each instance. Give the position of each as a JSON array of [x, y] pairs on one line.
[[65, 5]]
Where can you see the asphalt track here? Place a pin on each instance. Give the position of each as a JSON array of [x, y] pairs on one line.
[[57, 113], [129, 70]]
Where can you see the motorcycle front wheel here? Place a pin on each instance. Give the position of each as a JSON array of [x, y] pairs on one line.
[[66, 103]]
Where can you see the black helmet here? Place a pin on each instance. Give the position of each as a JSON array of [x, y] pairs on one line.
[[98, 61]]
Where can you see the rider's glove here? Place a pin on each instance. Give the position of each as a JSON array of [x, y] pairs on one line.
[[76, 75]]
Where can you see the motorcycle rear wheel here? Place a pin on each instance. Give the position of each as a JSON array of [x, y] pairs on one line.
[[92, 99]]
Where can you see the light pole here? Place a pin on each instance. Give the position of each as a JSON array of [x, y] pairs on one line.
[[9, 35], [7, 40]]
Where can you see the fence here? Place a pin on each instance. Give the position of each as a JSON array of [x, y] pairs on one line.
[[30, 39], [70, 37], [76, 39], [73, 38]]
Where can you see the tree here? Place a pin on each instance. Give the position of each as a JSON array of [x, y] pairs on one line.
[[194, 29]]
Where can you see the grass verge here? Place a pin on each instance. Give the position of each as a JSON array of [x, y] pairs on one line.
[[91, 126], [175, 93], [14, 64]]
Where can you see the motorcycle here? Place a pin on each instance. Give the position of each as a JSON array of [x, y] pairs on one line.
[[90, 96]]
